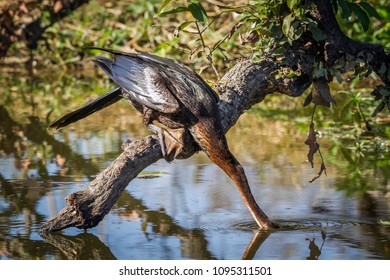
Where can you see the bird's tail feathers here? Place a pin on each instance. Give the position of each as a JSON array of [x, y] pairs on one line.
[[88, 109]]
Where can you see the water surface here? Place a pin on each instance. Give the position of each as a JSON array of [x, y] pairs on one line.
[[190, 209]]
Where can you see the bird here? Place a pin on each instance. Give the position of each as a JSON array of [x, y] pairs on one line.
[[174, 96]]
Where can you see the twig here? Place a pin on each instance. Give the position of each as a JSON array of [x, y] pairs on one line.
[[209, 52]]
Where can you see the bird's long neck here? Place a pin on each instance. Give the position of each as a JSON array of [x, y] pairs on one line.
[[212, 140]]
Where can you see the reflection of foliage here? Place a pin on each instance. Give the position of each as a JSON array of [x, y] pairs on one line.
[[367, 168], [377, 32], [35, 97]]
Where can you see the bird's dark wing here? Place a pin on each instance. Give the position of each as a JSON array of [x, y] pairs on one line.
[[169, 65], [145, 83], [180, 68]]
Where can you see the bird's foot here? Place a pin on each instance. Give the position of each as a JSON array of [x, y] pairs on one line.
[[171, 141]]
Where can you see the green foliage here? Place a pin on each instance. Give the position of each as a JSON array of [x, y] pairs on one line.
[[377, 27], [361, 9], [381, 93]]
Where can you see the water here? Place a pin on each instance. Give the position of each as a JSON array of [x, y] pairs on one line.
[[190, 209]]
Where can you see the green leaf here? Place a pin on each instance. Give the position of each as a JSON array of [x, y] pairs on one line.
[[197, 11], [318, 73], [308, 99], [362, 16], [184, 24], [174, 10], [345, 10], [317, 33], [383, 69], [338, 76], [379, 108], [370, 10], [385, 91], [181, 27], [292, 4], [164, 3], [287, 24]]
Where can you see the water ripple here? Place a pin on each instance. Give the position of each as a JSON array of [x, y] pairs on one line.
[[305, 224]]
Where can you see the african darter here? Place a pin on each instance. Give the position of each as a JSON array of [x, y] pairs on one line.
[[170, 93]]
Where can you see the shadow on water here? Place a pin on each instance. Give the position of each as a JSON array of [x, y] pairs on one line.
[[189, 209]]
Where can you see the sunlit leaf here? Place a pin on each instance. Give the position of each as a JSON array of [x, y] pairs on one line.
[[162, 6], [292, 4], [174, 10], [232, 9], [287, 24], [181, 27]]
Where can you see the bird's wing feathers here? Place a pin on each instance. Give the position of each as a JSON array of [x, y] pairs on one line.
[[182, 69], [144, 83], [154, 81]]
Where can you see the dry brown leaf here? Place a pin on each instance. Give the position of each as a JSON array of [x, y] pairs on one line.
[[321, 93], [323, 169], [57, 6], [311, 141]]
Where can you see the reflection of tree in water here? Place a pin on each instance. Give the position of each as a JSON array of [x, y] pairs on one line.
[[193, 241], [84, 246], [22, 142]]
